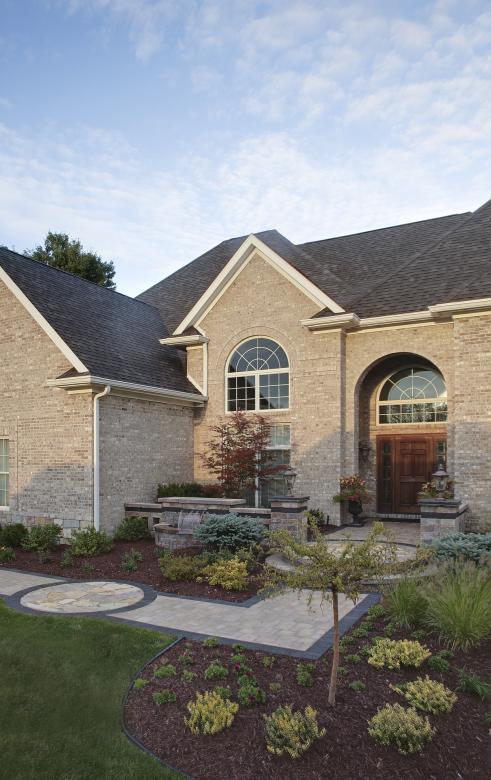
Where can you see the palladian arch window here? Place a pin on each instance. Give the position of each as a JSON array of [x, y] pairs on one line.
[[258, 377], [413, 395]]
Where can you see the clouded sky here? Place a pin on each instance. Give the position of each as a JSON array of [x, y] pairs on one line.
[[154, 129]]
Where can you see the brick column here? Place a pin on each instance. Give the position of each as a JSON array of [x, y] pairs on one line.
[[441, 517], [288, 513]]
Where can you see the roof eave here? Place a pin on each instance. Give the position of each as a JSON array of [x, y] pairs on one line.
[[118, 387]]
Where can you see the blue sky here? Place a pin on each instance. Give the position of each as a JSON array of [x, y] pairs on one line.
[[154, 129]]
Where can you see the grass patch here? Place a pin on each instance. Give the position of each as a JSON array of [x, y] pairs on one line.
[[61, 699]]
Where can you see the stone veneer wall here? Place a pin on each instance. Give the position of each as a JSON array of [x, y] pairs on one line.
[[142, 443], [49, 431], [262, 302]]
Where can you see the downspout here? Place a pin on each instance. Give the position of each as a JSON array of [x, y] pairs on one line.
[[97, 396]]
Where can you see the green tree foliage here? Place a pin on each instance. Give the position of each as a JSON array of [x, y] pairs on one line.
[[59, 251], [318, 566]]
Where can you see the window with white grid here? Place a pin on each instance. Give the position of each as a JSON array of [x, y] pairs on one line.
[[4, 473], [258, 377]]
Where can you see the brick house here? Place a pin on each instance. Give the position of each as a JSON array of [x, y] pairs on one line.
[[369, 352]]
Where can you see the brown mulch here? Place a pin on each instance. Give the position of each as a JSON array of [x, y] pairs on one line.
[[108, 567], [460, 750]]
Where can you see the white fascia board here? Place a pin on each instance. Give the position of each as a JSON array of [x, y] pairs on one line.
[[184, 341], [236, 263], [396, 319], [343, 321], [68, 383], [442, 309], [44, 324]]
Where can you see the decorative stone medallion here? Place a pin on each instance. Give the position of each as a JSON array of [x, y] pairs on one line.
[[76, 597]]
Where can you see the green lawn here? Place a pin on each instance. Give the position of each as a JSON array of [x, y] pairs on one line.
[[63, 680]]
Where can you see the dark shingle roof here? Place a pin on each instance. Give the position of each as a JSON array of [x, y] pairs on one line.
[[345, 268], [116, 337]]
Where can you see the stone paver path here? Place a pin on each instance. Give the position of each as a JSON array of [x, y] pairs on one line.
[[80, 597], [12, 581]]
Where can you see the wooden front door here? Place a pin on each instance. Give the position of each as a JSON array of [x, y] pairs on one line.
[[404, 464]]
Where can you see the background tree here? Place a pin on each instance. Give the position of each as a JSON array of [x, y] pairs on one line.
[[69, 255], [237, 454], [331, 569]]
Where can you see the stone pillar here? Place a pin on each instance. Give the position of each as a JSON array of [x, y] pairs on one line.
[[441, 517], [288, 513]]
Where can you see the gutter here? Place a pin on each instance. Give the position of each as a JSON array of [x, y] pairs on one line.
[[97, 397], [87, 381]]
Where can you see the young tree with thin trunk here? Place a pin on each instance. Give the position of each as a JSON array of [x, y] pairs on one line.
[[331, 569], [237, 453]]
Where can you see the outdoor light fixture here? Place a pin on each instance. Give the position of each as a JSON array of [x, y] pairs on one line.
[[365, 449], [290, 476], [440, 478]]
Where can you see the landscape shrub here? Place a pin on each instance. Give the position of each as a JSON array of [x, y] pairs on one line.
[[471, 683], [181, 567], [438, 664], [131, 529], [189, 489], [404, 728], [211, 641], [90, 542], [223, 691], [164, 697], [352, 658], [188, 676], [250, 693], [229, 532], [238, 658], [66, 559], [268, 661], [209, 713], [131, 559], [230, 575], [140, 683], [360, 632], [6, 553], [392, 654], [274, 687], [215, 671], [405, 603], [291, 732], [186, 659], [427, 695], [305, 675], [376, 611], [466, 546], [166, 670], [42, 537], [357, 685], [459, 605], [12, 535]]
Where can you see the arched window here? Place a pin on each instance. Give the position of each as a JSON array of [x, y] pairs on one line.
[[258, 377], [413, 395]]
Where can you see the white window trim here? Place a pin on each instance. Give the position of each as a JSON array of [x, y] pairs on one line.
[[4, 507], [256, 374], [284, 447], [380, 403]]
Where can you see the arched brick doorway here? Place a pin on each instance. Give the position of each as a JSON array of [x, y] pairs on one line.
[[402, 431]]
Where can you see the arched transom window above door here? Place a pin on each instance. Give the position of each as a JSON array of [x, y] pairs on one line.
[[413, 395], [258, 377]]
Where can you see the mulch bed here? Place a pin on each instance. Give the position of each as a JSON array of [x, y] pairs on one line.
[[108, 567], [460, 749]]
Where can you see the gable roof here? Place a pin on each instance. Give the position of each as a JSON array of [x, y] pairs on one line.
[[112, 335], [345, 268]]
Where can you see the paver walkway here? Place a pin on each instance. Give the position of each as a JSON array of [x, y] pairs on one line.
[[284, 624]]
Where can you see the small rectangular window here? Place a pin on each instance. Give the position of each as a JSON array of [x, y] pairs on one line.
[[4, 473]]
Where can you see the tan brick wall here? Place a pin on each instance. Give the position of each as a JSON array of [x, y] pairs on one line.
[[50, 432], [473, 415], [142, 443], [195, 365], [262, 302]]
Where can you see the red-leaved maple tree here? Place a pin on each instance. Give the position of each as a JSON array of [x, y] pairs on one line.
[[236, 453]]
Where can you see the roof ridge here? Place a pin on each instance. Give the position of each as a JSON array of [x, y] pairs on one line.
[[471, 215], [70, 273], [388, 227]]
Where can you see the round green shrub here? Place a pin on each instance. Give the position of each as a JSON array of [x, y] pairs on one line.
[[12, 535], [132, 529], [403, 728], [42, 538], [229, 532], [468, 546], [90, 542]]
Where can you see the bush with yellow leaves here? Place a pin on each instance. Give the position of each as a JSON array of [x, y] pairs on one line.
[[392, 654], [231, 574], [427, 695], [210, 713], [404, 728], [291, 732]]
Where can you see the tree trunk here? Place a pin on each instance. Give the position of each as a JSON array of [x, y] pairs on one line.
[[335, 649]]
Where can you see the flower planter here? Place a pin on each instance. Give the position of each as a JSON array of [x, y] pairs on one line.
[[355, 508]]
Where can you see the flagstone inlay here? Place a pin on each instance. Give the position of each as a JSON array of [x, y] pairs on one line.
[[73, 597]]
